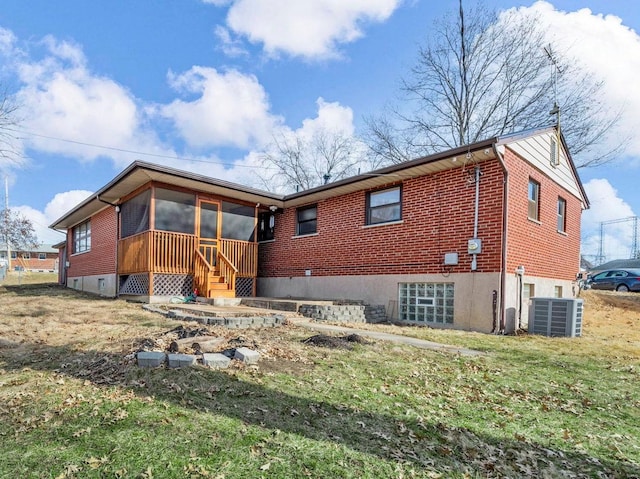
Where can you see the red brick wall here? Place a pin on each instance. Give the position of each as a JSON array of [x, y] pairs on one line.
[[34, 263], [438, 212], [101, 258], [537, 245]]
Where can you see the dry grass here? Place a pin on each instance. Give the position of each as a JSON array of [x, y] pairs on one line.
[[72, 405]]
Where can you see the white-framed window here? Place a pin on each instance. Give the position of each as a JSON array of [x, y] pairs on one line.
[[426, 302], [82, 237], [307, 220], [26, 255], [528, 290], [557, 291], [562, 215], [384, 206], [534, 200], [42, 256]]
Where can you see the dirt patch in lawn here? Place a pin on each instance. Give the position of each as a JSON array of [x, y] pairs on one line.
[[335, 342]]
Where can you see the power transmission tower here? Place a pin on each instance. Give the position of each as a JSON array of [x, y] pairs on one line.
[[634, 251]]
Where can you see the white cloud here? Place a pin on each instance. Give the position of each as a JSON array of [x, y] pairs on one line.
[[56, 208], [332, 117], [232, 109], [607, 48], [606, 205], [301, 28], [62, 99]]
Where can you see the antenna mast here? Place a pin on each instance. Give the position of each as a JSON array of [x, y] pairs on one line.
[[556, 108]]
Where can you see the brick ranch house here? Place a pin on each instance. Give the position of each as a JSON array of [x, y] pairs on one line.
[[457, 239], [40, 259]]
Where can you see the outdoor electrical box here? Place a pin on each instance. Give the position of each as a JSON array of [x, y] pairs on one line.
[[450, 259], [474, 246]]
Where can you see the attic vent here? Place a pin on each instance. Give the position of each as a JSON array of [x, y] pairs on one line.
[[560, 317], [554, 154]]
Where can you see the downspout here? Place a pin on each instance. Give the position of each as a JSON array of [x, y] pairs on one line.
[[117, 208], [505, 224], [474, 259]]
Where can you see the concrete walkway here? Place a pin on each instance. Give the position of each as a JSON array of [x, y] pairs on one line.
[[396, 338]]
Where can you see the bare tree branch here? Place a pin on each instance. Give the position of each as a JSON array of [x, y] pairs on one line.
[[479, 76], [8, 123], [17, 231], [296, 162]]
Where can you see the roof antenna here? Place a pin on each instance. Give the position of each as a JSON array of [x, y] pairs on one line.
[[555, 69]]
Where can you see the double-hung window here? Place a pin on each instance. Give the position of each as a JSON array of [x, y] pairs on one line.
[[534, 200], [307, 220], [82, 237], [562, 215], [384, 206]]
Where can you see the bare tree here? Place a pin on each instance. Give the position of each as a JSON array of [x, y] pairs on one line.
[[17, 231], [8, 123], [482, 75], [297, 162]]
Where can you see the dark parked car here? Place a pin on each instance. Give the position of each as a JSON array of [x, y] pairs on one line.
[[616, 280]]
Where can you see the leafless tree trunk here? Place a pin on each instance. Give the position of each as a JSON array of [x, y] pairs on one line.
[[480, 76], [298, 163], [8, 123]]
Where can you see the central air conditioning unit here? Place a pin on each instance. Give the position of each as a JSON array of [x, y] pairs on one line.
[[558, 317]]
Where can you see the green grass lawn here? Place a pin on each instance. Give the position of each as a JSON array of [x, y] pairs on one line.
[[530, 407]]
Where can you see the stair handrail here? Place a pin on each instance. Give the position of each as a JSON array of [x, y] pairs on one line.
[[201, 270], [227, 270]]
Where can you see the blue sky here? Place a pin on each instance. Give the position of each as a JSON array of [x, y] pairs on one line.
[[204, 86]]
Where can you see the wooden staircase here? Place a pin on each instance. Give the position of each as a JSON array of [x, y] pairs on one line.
[[214, 281], [217, 287]]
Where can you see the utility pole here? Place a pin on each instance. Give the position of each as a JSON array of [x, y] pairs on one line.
[[6, 219]]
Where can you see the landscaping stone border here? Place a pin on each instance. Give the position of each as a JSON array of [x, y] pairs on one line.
[[232, 322]]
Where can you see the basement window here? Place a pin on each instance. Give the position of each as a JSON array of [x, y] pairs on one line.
[[426, 303]]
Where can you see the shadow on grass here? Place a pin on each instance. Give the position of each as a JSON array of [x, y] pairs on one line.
[[425, 444]]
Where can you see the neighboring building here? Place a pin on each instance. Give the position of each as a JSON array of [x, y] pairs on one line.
[[616, 264], [43, 258], [457, 239]]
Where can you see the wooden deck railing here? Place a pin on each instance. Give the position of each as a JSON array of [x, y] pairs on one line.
[[242, 254], [134, 253], [178, 253], [156, 252]]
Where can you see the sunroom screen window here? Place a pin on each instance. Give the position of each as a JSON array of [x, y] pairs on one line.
[[238, 221], [384, 206], [134, 214], [175, 211]]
